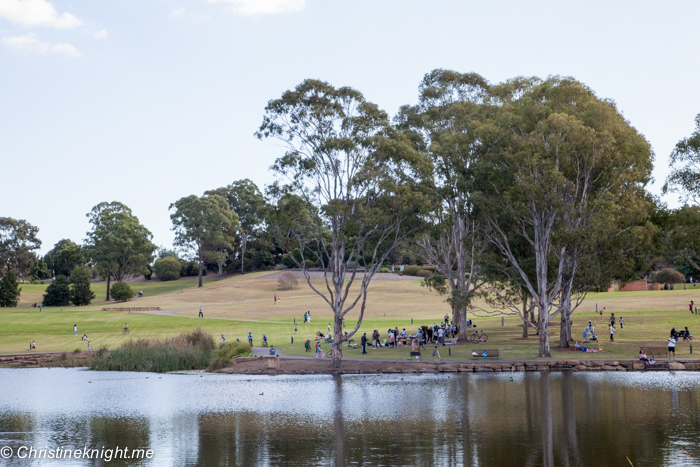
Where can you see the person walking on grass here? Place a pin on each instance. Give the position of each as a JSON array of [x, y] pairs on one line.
[[201, 314], [75, 329], [622, 323], [691, 305], [363, 340], [672, 348], [612, 333], [612, 319]]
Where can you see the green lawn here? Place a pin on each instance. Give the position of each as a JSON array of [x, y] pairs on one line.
[[239, 304]]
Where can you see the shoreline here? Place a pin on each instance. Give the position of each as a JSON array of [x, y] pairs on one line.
[[310, 365]]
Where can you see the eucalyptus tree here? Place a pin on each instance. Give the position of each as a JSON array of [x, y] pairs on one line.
[[118, 245], [204, 226], [18, 242], [350, 191], [443, 127], [683, 229], [246, 200], [560, 156]]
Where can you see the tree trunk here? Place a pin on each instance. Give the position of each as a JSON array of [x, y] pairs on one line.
[[337, 340], [543, 327], [461, 324], [244, 243], [525, 316], [221, 270], [201, 268], [565, 323], [108, 277]]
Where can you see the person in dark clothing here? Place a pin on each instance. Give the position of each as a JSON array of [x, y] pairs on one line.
[[363, 340]]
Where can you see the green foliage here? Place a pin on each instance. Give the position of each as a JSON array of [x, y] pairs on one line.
[[685, 160], [147, 272], [9, 290], [411, 270], [244, 198], [81, 293], [669, 276], [39, 270], [64, 256], [168, 268], [425, 273], [225, 354], [384, 270], [121, 291], [118, 244], [58, 292], [18, 241], [206, 227], [188, 351]]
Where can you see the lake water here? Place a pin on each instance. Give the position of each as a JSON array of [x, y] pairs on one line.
[[507, 419]]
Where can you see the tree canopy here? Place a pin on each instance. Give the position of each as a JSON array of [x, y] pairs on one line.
[[18, 242], [118, 245]]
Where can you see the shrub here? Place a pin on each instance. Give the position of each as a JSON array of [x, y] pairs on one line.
[[669, 276], [168, 268], [287, 281], [121, 291], [224, 356], [425, 273], [411, 270], [58, 292], [9, 290], [81, 293], [384, 270]]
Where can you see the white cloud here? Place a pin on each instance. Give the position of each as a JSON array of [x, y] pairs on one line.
[[100, 34], [31, 44], [263, 7], [178, 12], [36, 13]]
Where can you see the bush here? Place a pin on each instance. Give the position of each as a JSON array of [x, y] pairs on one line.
[[226, 353], [385, 270], [669, 276], [168, 268], [411, 270], [121, 291], [81, 293], [9, 290], [425, 273], [58, 292], [287, 281], [188, 351]]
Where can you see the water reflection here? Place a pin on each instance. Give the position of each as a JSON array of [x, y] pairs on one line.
[[558, 419]]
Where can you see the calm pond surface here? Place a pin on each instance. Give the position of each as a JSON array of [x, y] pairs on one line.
[[520, 419]]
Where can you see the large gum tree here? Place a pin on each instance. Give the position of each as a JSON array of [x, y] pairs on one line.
[[442, 126], [353, 186], [563, 161]]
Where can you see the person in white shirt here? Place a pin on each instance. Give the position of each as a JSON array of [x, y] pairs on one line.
[[672, 348], [441, 336], [612, 333]]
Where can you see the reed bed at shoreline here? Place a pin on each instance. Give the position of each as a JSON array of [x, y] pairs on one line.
[[186, 351]]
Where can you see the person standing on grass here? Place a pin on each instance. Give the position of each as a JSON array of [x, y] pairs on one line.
[[612, 333], [201, 314], [363, 340], [223, 339], [250, 338], [295, 327], [375, 339], [274, 300], [75, 329], [329, 328], [88, 345], [672, 348], [691, 306], [622, 323], [612, 319]]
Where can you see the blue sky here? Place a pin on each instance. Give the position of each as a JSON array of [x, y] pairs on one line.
[[148, 101]]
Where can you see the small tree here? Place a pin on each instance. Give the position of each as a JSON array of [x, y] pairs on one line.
[[287, 281], [121, 291], [58, 292], [9, 290], [80, 293], [669, 276], [168, 268]]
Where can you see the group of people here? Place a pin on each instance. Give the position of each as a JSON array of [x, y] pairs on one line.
[[276, 299]]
